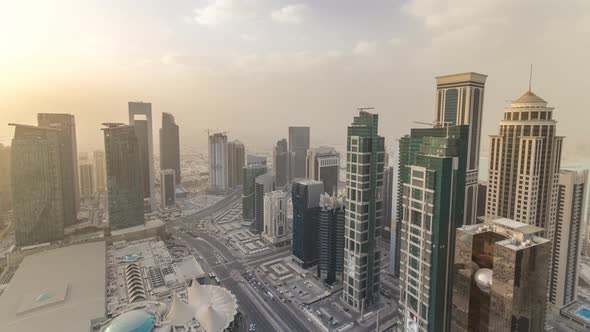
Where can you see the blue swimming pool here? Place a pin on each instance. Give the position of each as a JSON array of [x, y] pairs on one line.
[[584, 312]]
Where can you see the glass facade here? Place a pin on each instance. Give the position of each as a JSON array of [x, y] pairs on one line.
[[36, 180], [170, 145], [364, 211], [124, 182], [250, 173], [432, 202], [306, 198]]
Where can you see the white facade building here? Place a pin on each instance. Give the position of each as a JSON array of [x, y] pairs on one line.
[[567, 244], [276, 228], [524, 165]]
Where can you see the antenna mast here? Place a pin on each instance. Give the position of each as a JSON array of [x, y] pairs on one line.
[[530, 77]]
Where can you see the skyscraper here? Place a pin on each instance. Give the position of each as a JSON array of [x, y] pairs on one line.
[[298, 145], [144, 133], [263, 184], [323, 164], [567, 243], [276, 230], [100, 168], [305, 195], [402, 177], [218, 171], [5, 191], [282, 163], [170, 145], [500, 278], [432, 209], [364, 213], [236, 154], [124, 182], [168, 187], [69, 160], [387, 203], [459, 101], [524, 165], [331, 238], [86, 180], [250, 173], [36, 180]]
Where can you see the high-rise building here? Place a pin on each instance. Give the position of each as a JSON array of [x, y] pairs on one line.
[[298, 145], [482, 189], [87, 188], [387, 203], [100, 168], [524, 165], [36, 180], [500, 278], [331, 238], [282, 163], [69, 160], [83, 158], [364, 213], [236, 160], [323, 164], [124, 182], [305, 195], [432, 209], [250, 173], [459, 101], [262, 184], [256, 160], [276, 230], [170, 145], [5, 191], [402, 177], [567, 242], [144, 133], [218, 171], [168, 187]]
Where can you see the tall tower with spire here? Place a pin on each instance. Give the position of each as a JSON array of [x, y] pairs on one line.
[[524, 164]]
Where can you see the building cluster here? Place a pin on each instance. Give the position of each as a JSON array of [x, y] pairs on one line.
[[504, 255], [503, 258], [48, 178]]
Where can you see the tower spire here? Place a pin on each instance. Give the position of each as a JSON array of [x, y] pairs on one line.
[[530, 77]]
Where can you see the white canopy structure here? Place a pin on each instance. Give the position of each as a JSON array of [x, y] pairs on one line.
[[213, 307]]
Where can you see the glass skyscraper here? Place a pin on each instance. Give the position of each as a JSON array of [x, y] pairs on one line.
[[250, 173], [170, 145], [36, 178], [432, 197], [124, 182], [364, 212], [305, 195], [298, 146], [69, 160]]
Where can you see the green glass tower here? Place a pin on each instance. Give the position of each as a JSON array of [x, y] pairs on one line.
[[36, 178], [124, 180], [250, 173], [364, 211], [432, 173]]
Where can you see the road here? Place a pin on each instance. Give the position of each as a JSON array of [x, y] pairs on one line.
[[268, 315]]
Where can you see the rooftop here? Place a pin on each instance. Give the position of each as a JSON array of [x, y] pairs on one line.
[[461, 77], [529, 97], [57, 290]]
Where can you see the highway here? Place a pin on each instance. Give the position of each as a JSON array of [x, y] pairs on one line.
[[268, 315]]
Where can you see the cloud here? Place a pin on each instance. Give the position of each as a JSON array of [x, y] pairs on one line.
[[248, 37], [394, 41], [293, 14], [365, 48], [219, 12]]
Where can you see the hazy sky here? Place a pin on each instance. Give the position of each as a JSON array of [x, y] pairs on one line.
[[254, 67]]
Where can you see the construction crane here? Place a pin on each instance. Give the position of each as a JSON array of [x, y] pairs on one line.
[[365, 108], [434, 124]]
